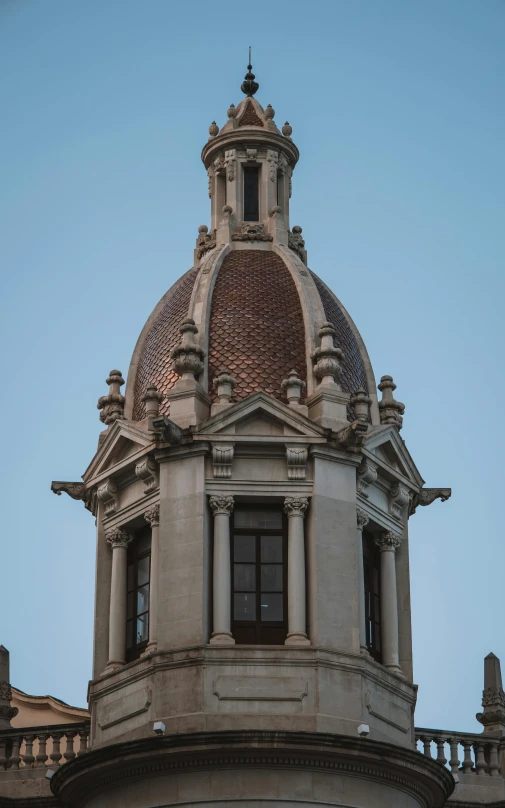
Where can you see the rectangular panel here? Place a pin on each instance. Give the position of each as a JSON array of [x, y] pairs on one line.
[[143, 571], [244, 607], [244, 548], [271, 577], [271, 608], [143, 599], [258, 519], [244, 577], [271, 549], [260, 688]]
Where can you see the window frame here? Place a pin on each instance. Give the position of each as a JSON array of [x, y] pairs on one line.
[[134, 556], [249, 169], [372, 590], [277, 629]]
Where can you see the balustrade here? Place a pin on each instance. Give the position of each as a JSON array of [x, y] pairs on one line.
[[468, 753], [40, 747]]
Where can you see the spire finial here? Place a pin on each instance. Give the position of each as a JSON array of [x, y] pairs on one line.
[[249, 86]]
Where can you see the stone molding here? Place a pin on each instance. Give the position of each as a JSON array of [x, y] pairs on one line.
[[296, 459], [398, 497], [221, 504], [147, 470], [388, 542], [401, 768], [152, 515], [118, 537], [366, 475], [362, 518], [296, 506], [107, 495], [222, 457]]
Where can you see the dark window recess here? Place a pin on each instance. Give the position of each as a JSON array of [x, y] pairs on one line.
[[251, 194], [259, 585], [137, 603], [371, 572]]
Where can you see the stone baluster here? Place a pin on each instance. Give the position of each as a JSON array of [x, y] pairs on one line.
[[15, 758], [293, 386], [83, 743], [42, 753], [28, 758], [69, 753], [480, 759], [454, 761], [441, 758], [295, 508], [494, 763], [152, 400], [153, 517], [391, 410], [362, 522], [426, 741], [55, 752], [222, 508], [118, 539], [3, 754], [467, 759], [387, 544]]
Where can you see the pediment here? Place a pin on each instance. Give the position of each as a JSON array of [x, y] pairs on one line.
[[261, 416], [388, 450], [123, 445]]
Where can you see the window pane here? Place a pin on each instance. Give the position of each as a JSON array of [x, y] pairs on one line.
[[271, 549], [143, 571], [143, 599], [131, 577], [129, 606], [251, 194], [129, 634], [244, 548], [271, 577], [142, 628], [271, 520], [143, 542], [271, 608], [244, 577], [244, 607]]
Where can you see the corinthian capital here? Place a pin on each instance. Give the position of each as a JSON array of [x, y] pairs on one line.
[[118, 537], [296, 506], [221, 504], [362, 518], [388, 541], [152, 515]]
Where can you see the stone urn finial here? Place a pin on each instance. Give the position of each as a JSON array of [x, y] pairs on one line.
[[391, 411], [152, 399], [225, 385], [361, 403], [287, 129], [327, 359], [112, 405], [188, 356], [269, 113], [213, 129], [293, 386]]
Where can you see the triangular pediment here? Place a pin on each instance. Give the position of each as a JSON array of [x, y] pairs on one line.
[[388, 450], [261, 416], [122, 445]]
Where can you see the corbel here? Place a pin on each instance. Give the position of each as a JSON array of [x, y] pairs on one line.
[[147, 470], [399, 496], [107, 495], [366, 476], [296, 458], [222, 457]]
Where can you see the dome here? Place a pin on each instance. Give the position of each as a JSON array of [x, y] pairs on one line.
[[256, 331]]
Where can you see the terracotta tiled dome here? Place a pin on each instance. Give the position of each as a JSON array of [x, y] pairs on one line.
[[256, 331]]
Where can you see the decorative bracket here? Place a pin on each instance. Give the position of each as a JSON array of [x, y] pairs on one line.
[[366, 476], [296, 458], [170, 432], [107, 494], [351, 437], [428, 495], [222, 457], [147, 470], [399, 497]]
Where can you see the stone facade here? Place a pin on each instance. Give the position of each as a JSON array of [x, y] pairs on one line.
[[250, 467]]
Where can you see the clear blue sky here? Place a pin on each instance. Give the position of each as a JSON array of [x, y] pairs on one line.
[[397, 108]]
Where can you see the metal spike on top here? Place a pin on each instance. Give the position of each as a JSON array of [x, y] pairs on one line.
[[249, 86]]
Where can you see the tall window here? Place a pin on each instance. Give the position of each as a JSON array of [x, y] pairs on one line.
[[251, 194], [371, 571], [137, 608], [259, 590]]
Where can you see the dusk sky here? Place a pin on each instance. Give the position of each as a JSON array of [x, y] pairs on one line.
[[397, 109]]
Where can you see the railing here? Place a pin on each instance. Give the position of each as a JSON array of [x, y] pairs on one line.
[[42, 747], [468, 753]]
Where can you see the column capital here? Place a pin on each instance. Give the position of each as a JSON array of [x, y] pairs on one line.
[[118, 537], [296, 506], [362, 518], [152, 515], [388, 541], [221, 504]]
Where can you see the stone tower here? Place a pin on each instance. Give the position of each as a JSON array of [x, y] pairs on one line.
[[252, 498]]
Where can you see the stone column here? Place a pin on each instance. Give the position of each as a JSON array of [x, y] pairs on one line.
[[118, 539], [153, 517], [295, 508], [387, 544], [362, 521], [222, 508]]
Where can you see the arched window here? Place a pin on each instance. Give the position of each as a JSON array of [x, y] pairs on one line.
[[137, 606]]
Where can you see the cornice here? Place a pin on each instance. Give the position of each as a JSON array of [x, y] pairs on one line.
[[256, 136], [263, 488]]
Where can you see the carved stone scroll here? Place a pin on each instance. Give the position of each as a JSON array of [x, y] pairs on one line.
[[107, 494], [147, 470], [222, 457], [296, 457]]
